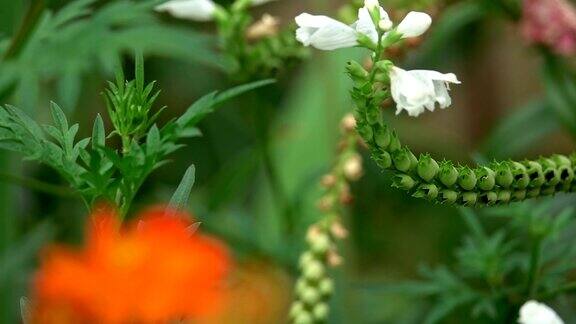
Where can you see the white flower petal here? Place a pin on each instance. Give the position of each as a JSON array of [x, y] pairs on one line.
[[414, 24], [533, 312], [198, 10], [419, 90], [324, 33]]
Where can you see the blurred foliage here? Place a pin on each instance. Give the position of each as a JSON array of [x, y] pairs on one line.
[[391, 233]]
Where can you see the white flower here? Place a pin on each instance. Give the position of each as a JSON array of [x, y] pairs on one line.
[[414, 24], [418, 90], [324, 33], [533, 312], [198, 10], [328, 34]]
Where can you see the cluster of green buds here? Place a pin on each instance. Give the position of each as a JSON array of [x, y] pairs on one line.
[[129, 105], [315, 286], [499, 182], [256, 49]]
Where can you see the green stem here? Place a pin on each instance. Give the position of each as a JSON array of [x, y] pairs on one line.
[[535, 261]]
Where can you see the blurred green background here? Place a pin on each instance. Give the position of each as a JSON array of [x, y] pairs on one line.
[[499, 111]]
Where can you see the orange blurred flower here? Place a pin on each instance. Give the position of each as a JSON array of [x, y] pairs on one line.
[[154, 271]]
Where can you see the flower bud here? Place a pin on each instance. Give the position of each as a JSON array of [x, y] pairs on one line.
[[403, 181], [488, 198], [320, 243], [348, 123], [469, 199], [306, 258], [448, 174], [467, 179], [310, 296], [357, 72], [384, 160], [521, 179], [304, 318], [320, 312], [334, 259], [402, 160], [382, 136], [504, 177], [313, 271], [328, 181], [326, 287], [394, 143], [518, 195], [566, 173], [535, 173], [561, 160], [448, 196], [486, 179], [427, 168], [534, 192], [353, 168], [427, 191], [338, 230], [504, 196], [296, 309], [414, 24], [265, 27]]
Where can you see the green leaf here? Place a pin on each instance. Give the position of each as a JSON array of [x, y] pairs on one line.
[[59, 117], [236, 91], [98, 132], [179, 200]]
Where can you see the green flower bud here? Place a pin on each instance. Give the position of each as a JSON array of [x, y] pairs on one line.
[[504, 196], [384, 160], [306, 258], [535, 173], [320, 312], [295, 310], [382, 77], [469, 199], [402, 160], [382, 136], [504, 177], [373, 114], [521, 178], [403, 181], [301, 285], [384, 66], [427, 191], [518, 195], [566, 173], [326, 287], [365, 131], [448, 196], [394, 143], [486, 179], [427, 168], [304, 318], [488, 198], [448, 174], [314, 271], [320, 243], [357, 72], [561, 160], [547, 190], [467, 179], [310, 296], [534, 192]]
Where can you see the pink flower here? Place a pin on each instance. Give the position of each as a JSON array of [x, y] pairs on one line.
[[551, 23]]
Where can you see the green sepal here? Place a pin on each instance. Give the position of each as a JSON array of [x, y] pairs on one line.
[[427, 168], [486, 179], [467, 179], [448, 174]]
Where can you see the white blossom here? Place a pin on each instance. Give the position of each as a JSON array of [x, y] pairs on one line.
[[198, 10], [418, 90], [324, 33], [533, 312], [414, 24]]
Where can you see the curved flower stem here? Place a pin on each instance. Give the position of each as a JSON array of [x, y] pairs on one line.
[[499, 182]]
